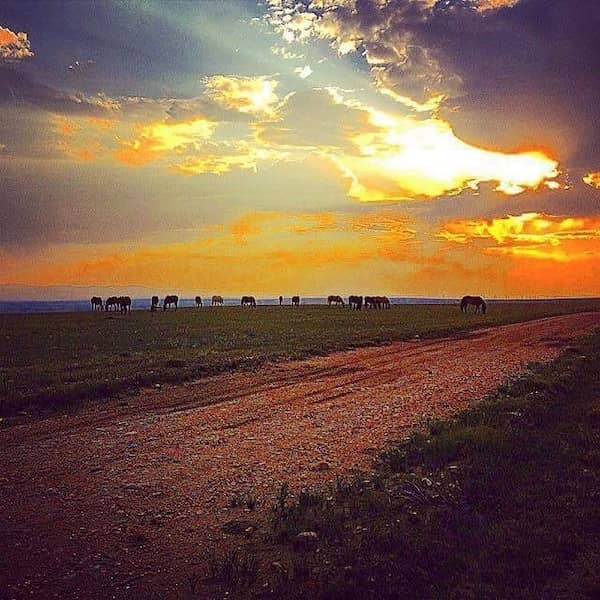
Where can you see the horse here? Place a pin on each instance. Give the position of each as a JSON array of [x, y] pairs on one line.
[[370, 302], [170, 301], [154, 304], [111, 301], [355, 302], [337, 300], [295, 300], [477, 301], [249, 301], [125, 304], [96, 302], [384, 301], [217, 300], [198, 302]]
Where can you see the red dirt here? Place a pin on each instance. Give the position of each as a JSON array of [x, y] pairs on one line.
[[124, 498]]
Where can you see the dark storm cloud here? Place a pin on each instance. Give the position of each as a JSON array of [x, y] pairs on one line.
[[529, 75], [518, 76]]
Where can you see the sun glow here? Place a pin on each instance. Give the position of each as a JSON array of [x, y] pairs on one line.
[[425, 158], [252, 95]]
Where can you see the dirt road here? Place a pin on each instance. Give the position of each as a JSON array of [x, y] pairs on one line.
[[127, 496]]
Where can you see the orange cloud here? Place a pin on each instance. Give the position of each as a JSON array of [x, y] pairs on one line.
[[158, 139], [67, 127], [14, 46], [592, 179], [531, 235]]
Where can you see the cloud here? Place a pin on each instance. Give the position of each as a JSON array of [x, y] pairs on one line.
[[507, 69], [14, 47], [18, 89], [408, 158], [315, 119], [303, 72], [252, 95], [219, 158], [157, 140], [592, 179], [532, 235]]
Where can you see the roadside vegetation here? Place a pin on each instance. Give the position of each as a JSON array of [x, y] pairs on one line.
[[55, 361], [500, 502]]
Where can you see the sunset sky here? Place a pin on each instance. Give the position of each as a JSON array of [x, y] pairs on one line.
[[405, 147]]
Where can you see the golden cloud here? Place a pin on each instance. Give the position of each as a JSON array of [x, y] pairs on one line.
[[252, 95], [14, 46], [410, 158], [533, 235], [592, 179], [484, 5], [157, 139], [220, 158]]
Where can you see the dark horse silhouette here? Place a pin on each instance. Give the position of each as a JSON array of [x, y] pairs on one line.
[[217, 300], [248, 301], [477, 301], [198, 302], [170, 301], [96, 302], [124, 304], [111, 302], [337, 300], [377, 302], [355, 302], [154, 304], [295, 300]]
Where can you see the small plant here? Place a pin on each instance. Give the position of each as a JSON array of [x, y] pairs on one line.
[[234, 567]]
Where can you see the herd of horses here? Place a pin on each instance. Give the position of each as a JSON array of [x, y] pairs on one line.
[[123, 303], [113, 303], [357, 302]]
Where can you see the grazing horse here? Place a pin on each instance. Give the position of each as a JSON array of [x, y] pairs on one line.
[[295, 300], [125, 304], [385, 302], [170, 301], [355, 302], [337, 300], [477, 301], [198, 302], [217, 300], [113, 302], [97, 303], [249, 301], [370, 302], [154, 304]]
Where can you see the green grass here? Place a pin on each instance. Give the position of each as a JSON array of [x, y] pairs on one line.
[[50, 361], [500, 502]]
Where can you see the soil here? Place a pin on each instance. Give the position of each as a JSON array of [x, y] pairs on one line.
[[125, 498]]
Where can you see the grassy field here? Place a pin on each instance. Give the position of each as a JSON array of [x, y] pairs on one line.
[[500, 502], [50, 361]]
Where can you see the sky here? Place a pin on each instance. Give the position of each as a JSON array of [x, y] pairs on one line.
[[399, 147]]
